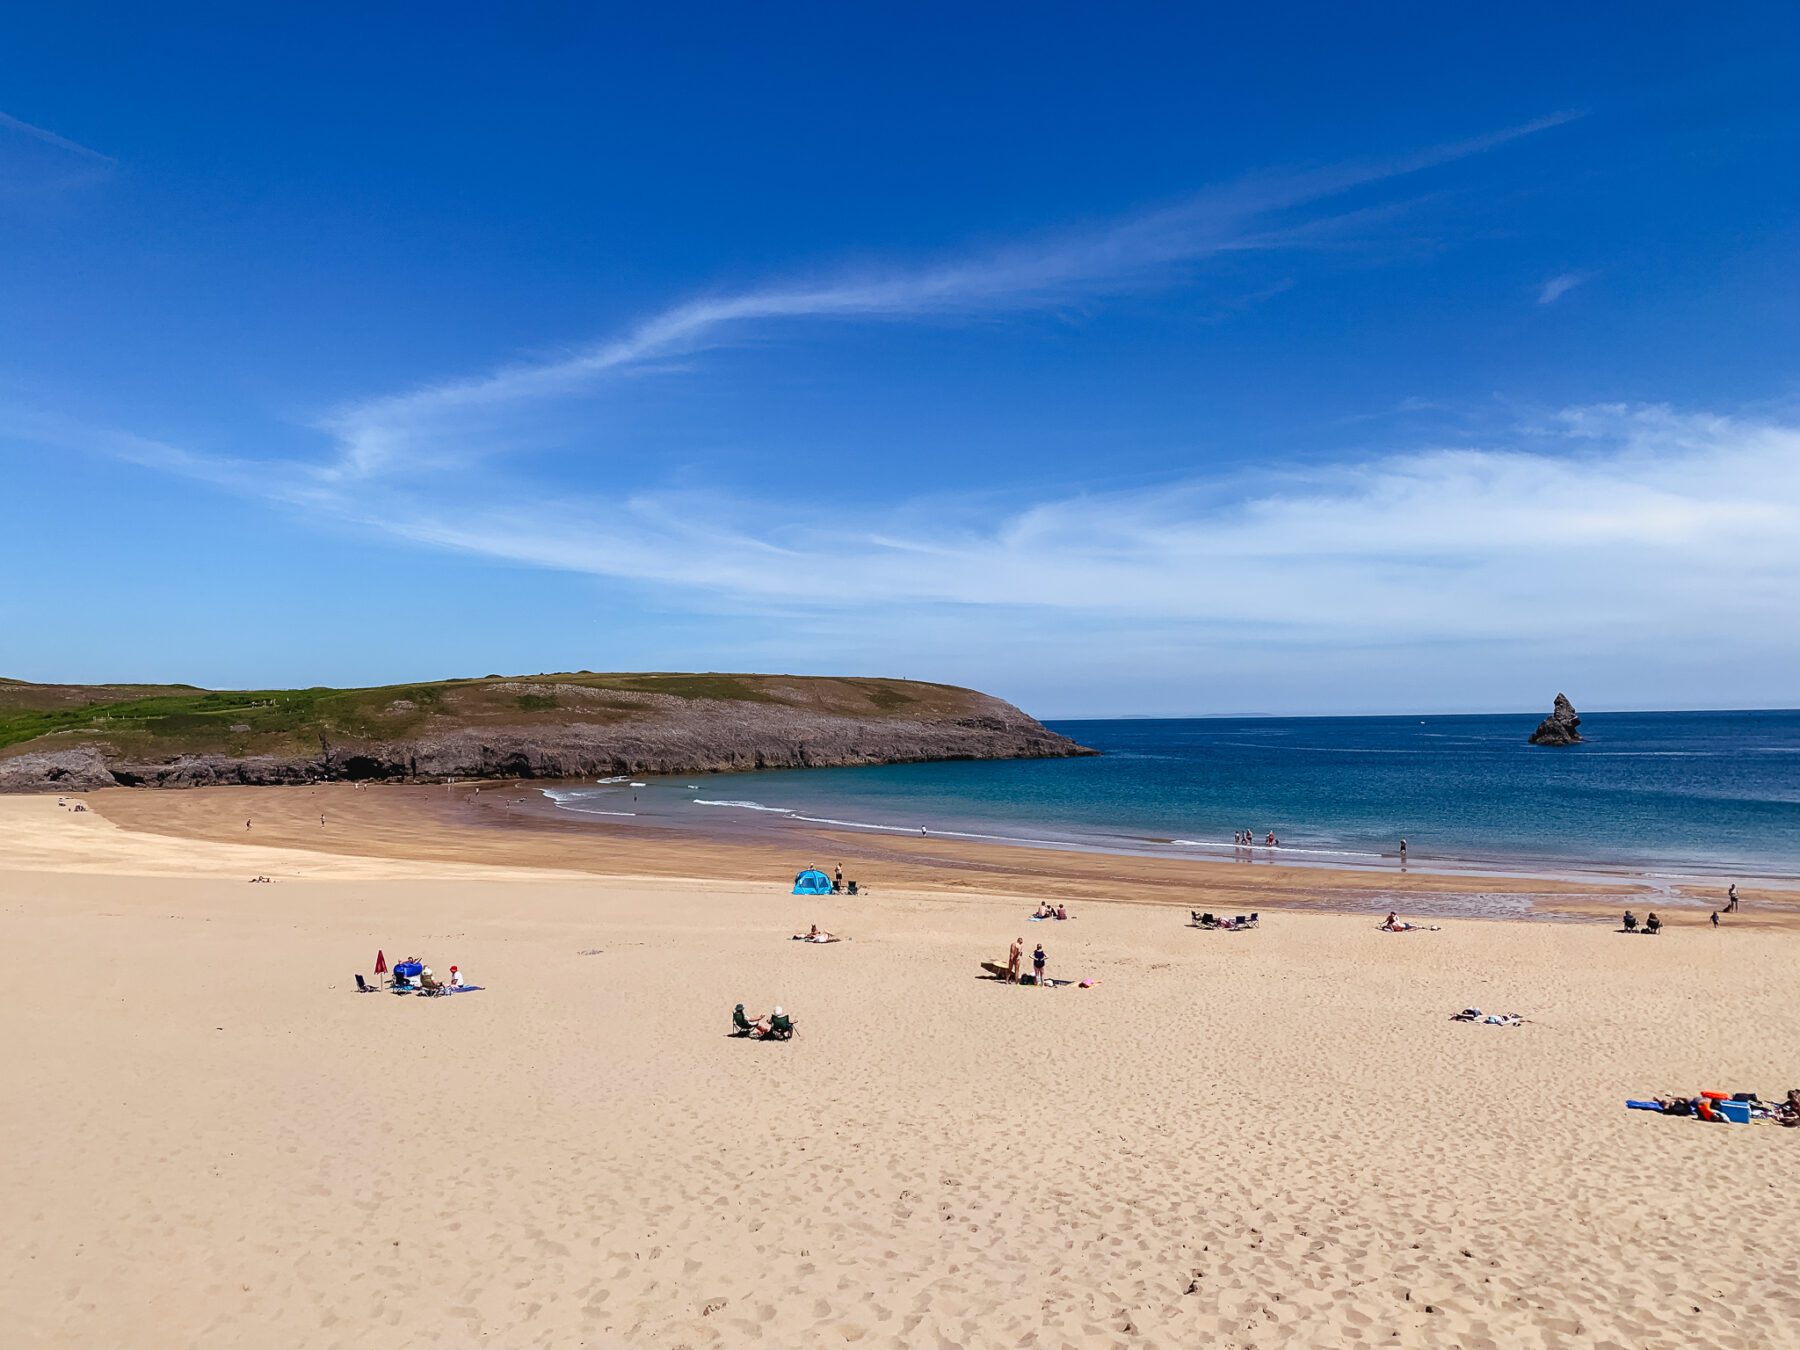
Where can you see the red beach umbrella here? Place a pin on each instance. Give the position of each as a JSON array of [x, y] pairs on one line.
[[380, 963]]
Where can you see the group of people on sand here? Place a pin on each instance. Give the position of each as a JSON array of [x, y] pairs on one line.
[[1224, 923], [1015, 958], [1046, 910], [774, 1026], [1652, 925], [1714, 1106], [426, 981]]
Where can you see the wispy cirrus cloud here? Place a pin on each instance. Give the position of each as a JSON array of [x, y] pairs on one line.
[[42, 164], [37, 133], [1559, 285], [447, 421]]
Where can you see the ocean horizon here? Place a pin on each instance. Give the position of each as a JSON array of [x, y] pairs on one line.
[[1705, 794]]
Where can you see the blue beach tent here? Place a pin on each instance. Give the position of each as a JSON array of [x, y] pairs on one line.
[[812, 882]]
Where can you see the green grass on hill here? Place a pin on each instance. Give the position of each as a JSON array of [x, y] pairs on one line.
[[181, 719]]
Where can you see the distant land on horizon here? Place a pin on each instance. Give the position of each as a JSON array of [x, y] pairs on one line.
[[63, 737]]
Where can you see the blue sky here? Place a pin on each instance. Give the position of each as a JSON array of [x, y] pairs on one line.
[[1149, 361]]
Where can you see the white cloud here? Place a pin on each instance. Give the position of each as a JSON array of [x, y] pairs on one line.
[[1558, 286], [1629, 517]]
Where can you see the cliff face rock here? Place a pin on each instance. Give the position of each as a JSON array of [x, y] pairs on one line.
[[1559, 728], [542, 728]]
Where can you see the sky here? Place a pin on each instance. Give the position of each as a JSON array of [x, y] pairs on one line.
[[1115, 360]]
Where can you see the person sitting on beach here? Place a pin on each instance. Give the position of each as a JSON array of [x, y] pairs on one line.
[[1043, 911], [740, 1024], [1630, 922], [1788, 1112], [1062, 911], [456, 979], [430, 983], [777, 1025], [1653, 924]]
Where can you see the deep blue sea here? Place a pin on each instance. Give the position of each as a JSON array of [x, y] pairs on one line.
[[1710, 793]]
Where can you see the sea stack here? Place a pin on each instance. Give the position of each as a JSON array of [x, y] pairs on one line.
[[1559, 728]]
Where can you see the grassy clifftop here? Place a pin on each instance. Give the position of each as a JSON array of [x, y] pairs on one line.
[[537, 724]]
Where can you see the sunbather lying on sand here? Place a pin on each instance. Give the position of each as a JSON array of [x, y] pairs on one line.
[[814, 934], [1396, 925], [1489, 1019]]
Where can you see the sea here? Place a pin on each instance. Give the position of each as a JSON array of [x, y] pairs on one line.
[[1661, 794]]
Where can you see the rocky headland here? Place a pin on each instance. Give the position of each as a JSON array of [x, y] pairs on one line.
[[74, 738]]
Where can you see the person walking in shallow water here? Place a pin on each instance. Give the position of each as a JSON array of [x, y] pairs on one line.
[[1403, 853]]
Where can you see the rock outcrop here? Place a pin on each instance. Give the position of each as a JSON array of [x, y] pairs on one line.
[[546, 729], [1559, 728]]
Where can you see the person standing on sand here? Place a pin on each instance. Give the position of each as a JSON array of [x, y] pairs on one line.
[[1731, 902], [1715, 918], [1037, 964], [837, 878], [1015, 954]]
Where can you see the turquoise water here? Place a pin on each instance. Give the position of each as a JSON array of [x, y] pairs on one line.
[[1690, 793]]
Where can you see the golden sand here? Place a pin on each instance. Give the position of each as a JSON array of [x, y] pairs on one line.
[[1273, 1138]]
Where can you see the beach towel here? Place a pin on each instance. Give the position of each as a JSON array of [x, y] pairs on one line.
[[1643, 1106], [463, 988]]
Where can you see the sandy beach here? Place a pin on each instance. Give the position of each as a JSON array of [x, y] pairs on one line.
[[1272, 1138]]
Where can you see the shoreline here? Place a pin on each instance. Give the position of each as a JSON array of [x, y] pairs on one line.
[[1654, 876], [515, 826], [1272, 1138]]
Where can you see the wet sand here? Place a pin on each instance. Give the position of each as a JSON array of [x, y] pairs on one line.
[[513, 825]]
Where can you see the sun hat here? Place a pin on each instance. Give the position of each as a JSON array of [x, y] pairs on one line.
[[777, 1012]]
